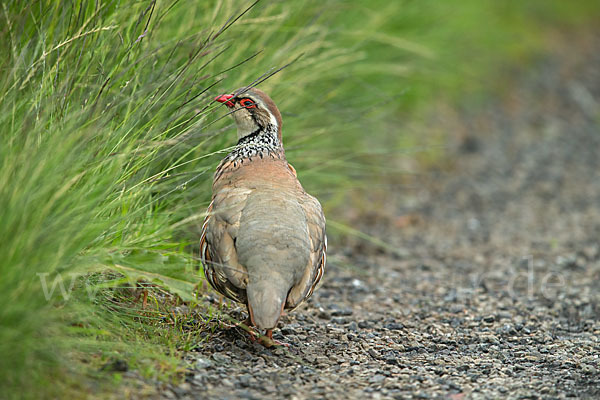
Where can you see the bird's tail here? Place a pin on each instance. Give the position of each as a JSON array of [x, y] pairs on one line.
[[266, 300]]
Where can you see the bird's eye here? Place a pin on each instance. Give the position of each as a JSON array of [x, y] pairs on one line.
[[247, 103]]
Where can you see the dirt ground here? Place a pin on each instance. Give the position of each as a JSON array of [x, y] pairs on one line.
[[493, 290]]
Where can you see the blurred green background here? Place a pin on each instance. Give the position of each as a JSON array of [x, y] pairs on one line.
[[109, 138]]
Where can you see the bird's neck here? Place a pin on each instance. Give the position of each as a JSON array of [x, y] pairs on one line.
[[263, 142]]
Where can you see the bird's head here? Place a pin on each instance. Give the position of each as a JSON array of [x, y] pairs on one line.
[[252, 110]]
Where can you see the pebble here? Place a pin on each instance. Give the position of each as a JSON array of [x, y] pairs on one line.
[[202, 363], [364, 325], [377, 379], [394, 326], [589, 369], [221, 358], [489, 318]]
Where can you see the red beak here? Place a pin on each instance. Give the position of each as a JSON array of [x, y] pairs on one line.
[[225, 99]]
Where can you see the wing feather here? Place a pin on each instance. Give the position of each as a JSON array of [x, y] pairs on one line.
[[316, 265], [217, 245]]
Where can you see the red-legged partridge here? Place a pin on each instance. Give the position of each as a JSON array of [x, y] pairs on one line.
[[263, 241]]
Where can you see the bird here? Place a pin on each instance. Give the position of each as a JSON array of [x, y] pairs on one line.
[[263, 240]]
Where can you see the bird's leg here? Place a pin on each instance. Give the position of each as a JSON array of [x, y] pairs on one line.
[[247, 325], [143, 292], [251, 335], [247, 322], [267, 340]]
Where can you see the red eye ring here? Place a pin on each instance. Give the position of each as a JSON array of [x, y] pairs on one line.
[[247, 103]]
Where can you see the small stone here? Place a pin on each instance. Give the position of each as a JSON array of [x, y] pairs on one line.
[[489, 318], [220, 358], [203, 363], [339, 320], [358, 284], [322, 360], [219, 347], [456, 308], [507, 329], [377, 378], [589, 369], [394, 326], [286, 330], [345, 312], [364, 325], [270, 389], [519, 327]]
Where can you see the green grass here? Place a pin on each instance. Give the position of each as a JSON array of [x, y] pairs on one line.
[[109, 136]]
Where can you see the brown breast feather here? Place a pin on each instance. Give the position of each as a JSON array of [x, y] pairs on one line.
[[231, 188]]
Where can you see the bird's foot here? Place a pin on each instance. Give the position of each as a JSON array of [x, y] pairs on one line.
[[268, 341], [145, 301], [227, 325], [247, 323]]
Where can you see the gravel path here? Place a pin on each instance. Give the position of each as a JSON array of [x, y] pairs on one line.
[[494, 289]]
